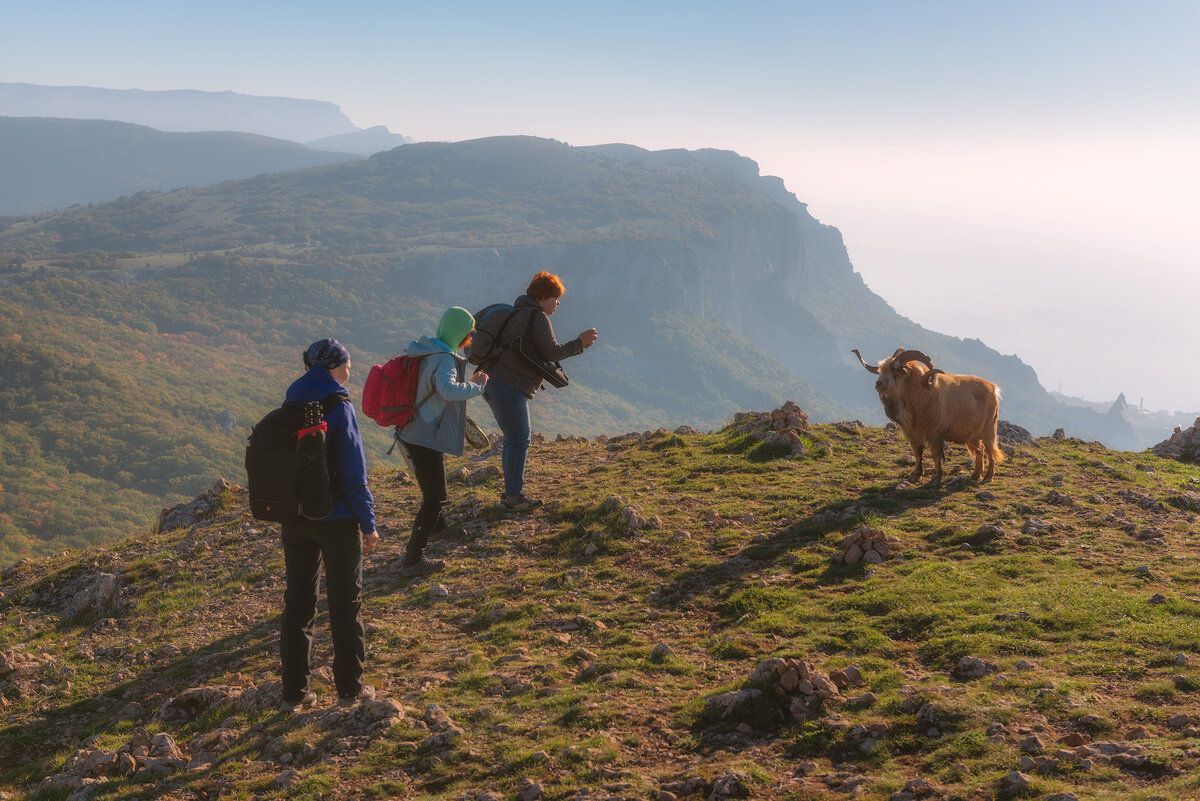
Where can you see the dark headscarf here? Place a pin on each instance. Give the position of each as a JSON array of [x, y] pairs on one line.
[[327, 353]]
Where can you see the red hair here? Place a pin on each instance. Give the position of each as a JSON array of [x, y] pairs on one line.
[[545, 285]]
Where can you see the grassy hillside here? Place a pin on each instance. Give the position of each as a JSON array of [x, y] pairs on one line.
[[149, 333], [118, 398], [1044, 624]]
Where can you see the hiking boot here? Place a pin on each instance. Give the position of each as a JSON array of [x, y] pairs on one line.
[[521, 503], [365, 694], [422, 567], [308, 700]]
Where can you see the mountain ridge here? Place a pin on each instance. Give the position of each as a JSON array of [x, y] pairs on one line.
[[52, 163], [180, 110], [711, 294]]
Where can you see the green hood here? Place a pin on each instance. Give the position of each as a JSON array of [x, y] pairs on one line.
[[456, 323]]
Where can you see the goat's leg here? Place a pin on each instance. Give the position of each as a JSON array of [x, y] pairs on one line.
[[937, 452], [977, 450], [918, 449]]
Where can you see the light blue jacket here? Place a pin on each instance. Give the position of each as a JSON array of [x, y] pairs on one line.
[[440, 422]]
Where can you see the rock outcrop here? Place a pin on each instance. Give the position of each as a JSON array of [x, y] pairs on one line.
[[1183, 445], [782, 428]]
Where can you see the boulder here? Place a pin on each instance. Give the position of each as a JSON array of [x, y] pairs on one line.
[[1182, 446]]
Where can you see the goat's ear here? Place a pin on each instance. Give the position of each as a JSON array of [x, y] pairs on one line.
[[902, 370]]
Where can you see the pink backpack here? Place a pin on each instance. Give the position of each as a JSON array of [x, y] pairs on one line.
[[390, 391]]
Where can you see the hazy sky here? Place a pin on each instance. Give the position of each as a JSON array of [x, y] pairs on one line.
[[1021, 172]]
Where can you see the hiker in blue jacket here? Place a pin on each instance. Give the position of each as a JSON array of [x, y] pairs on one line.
[[338, 541], [438, 426]]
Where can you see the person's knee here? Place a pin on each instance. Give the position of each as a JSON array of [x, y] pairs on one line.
[[344, 603], [300, 599], [345, 595]]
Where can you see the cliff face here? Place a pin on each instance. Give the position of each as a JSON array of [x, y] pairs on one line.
[[771, 273], [667, 253]]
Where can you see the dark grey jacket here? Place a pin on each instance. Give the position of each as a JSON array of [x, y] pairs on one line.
[[508, 367]]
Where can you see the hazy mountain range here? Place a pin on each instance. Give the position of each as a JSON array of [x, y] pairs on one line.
[[179, 110], [53, 163], [319, 125], [712, 286]]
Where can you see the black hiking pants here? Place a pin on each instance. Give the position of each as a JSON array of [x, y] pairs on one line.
[[306, 545], [430, 467]]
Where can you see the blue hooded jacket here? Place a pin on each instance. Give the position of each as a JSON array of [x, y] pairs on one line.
[[343, 449], [439, 423]]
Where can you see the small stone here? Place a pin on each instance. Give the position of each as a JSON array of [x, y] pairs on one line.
[[839, 678], [661, 651], [1137, 733], [1016, 783], [288, 779], [529, 790], [1032, 745]]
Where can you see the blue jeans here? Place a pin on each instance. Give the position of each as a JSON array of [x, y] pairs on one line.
[[510, 407]]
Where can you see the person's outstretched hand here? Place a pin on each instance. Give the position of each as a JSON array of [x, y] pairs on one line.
[[589, 337]]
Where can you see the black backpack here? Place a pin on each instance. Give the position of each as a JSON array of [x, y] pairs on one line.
[[286, 471], [490, 322]]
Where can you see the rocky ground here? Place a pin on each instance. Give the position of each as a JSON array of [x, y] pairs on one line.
[[767, 611]]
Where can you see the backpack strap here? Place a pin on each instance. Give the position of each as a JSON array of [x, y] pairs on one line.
[[529, 330], [498, 348], [330, 402], [432, 383]]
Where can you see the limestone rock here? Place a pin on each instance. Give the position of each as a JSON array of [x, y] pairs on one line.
[[781, 428], [972, 667], [529, 790], [1016, 783], [189, 514], [1182, 445], [868, 545], [731, 785], [726, 704]]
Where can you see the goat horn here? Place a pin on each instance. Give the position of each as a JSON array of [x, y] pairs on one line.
[[864, 364], [914, 356], [932, 374]]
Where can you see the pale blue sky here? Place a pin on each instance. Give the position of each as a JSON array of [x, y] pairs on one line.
[[1019, 172]]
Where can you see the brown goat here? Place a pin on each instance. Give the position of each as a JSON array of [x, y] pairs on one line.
[[933, 407]]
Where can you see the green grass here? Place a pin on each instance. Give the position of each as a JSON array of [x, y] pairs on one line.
[[542, 650]]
